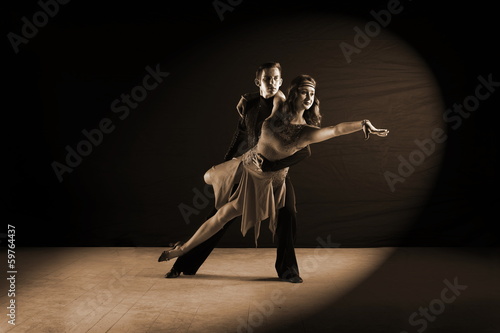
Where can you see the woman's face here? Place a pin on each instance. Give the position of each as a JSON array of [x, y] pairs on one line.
[[305, 98]]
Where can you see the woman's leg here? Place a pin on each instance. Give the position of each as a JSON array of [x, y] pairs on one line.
[[214, 224], [211, 226]]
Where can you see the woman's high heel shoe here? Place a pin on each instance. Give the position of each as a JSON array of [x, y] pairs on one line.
[[167, 255]]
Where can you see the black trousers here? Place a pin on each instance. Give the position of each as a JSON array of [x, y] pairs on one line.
[[286, 229]]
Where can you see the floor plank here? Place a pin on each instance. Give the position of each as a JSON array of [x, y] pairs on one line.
[[123, 290]]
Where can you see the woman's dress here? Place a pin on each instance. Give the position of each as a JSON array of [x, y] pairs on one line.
[[259, 195]]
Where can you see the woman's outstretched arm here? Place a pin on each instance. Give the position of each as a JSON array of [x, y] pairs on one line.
[[314, 135]]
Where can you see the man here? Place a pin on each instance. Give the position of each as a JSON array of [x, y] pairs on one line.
[[253, 110]]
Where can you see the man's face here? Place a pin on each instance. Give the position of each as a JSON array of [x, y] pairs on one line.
[[269, 82]]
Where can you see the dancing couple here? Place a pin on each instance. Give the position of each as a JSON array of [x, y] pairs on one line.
[[273, 134]]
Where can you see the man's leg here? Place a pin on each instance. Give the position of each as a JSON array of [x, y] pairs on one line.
[[192, 260], [286, 261]]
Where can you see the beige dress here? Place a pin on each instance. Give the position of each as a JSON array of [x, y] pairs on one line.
[[259, 195]]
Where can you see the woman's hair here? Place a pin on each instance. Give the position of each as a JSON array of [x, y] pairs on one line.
[[312, 115]]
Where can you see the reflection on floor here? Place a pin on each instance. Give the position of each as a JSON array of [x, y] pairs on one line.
[[236, 290]]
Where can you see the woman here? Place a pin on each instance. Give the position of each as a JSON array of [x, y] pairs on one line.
[[259, 194]]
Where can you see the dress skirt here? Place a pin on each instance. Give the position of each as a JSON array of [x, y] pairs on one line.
[[258, 196]]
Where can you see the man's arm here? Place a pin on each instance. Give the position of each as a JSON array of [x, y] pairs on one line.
[[239, 143], [287, 161], [242, 104]]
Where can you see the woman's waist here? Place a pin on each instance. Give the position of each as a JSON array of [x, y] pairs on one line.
[[252, 162], [254, 159], [274, 154]]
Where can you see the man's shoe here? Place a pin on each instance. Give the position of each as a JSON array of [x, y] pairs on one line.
[[173, 273], [294, 279]]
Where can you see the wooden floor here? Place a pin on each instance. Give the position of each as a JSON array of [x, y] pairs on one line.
[[396, 290]]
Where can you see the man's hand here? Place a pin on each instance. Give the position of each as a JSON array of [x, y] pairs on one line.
[[241, 106], [278, 101]]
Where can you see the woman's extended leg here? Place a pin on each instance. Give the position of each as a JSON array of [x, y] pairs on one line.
[[212, 226], [225, 214]]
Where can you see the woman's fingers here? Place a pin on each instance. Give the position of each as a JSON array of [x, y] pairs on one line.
[[381, 132], [370, 129]]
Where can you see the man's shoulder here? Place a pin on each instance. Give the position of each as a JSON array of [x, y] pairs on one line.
[[248, 102], [252, 96]]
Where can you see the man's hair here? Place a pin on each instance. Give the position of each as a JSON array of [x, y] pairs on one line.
[[266, 65]]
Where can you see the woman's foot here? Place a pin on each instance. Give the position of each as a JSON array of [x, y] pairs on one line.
[[175, 252]]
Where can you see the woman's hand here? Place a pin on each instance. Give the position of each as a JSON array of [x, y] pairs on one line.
[[368, 129]]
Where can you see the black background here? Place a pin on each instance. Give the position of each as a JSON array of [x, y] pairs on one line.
[[101, 50]]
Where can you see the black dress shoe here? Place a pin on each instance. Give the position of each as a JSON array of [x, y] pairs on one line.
[[173, 273], [294, 279]]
